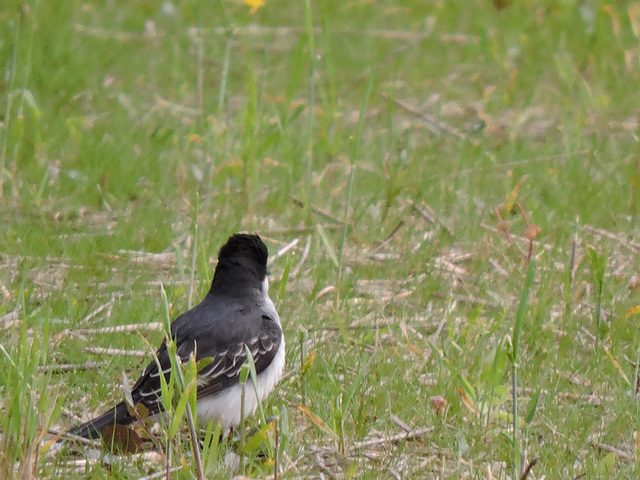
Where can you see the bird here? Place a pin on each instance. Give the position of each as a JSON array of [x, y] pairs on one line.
[[236, 315]]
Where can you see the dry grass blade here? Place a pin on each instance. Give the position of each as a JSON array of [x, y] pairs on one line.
[[299, 203], [283, 250], [590, 399], [603, 447], [432, 123], [393, 438], [497, 268], [426, 212], [443, 263], [387, 240], [631, 245], [105, 34], [132, 327], [403, 35], [116, 352], [400, 423], [68, 436], [8, 320], [99, 310], [66, 367], [521, 238], [176, 108], [153, 476], [303, 258]]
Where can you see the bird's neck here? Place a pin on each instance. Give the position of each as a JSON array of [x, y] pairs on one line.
[[232, 278]]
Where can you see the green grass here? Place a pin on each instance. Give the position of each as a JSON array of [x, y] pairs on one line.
[[131, 128]]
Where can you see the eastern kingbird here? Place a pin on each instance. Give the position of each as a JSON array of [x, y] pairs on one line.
[[237, 312]]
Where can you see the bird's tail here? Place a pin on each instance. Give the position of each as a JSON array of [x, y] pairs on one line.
[[118, 415]]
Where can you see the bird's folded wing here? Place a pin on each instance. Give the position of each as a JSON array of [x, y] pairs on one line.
[[221, 373], [225, 367]]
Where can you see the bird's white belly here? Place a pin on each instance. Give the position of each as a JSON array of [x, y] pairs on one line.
[[225, 407]]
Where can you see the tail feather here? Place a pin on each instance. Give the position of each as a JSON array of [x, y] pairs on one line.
[[118, 415]]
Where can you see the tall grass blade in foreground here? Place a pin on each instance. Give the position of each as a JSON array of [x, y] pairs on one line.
[[194, 253], [310, 104], [7, 111], [224, 76], [27, 411], [598, 266], [251, 445], [354, 151], [513, 355], [17, 126], [187, 388]]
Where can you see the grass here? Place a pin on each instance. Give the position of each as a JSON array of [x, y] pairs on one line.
[[419, 153]]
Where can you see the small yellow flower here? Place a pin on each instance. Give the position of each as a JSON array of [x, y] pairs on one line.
[[254, 4]]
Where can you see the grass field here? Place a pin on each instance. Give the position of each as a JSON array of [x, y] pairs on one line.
[[407, 164]]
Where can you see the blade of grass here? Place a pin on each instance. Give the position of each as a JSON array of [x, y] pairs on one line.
[[242, 378], [27, 14], [327, 243], [23, 385], [310, 37], [283, 283], [354, 153], [7, 110], [598, 266], [524, 303], [211, 443], [226, 62], [194, 253], [517, 332], [176, 371]]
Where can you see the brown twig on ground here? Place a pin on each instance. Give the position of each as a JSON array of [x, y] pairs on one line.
[[527, 470]]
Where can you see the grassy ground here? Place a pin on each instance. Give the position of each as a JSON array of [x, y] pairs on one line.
[[421, 155]]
